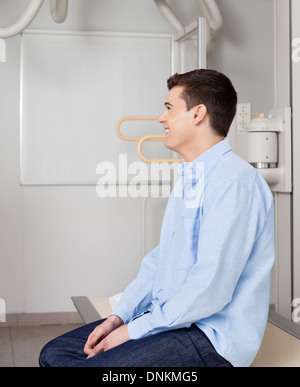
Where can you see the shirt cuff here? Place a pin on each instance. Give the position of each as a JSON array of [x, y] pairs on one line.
[[140, 327], [120, 312]]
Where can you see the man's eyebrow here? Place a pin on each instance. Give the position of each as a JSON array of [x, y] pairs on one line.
[[168, 104]]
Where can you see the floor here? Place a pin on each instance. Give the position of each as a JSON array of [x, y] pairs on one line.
[[21, 346]]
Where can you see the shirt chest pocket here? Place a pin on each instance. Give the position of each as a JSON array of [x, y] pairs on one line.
[[186, 241]]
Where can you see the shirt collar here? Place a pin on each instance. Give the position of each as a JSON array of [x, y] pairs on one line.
[[208, 159]]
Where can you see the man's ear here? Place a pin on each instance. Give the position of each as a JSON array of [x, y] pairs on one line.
[[200, 113]]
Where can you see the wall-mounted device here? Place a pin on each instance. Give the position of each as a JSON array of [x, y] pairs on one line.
[[265, 141], [262, 140]]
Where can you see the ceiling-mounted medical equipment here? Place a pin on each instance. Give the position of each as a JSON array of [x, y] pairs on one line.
[[58, 8], [59, 11], [169, 15], [211, 12], [265, 141], [24, 21]]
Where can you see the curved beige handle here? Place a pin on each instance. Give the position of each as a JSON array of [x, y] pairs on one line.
[[141, 140], [133, 118], [154, 138]]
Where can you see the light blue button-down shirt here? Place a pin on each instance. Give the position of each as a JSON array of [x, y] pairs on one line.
[[212, 266]]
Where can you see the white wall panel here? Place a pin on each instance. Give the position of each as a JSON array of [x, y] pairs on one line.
[[75, 88], [296, 139], [55, 241]]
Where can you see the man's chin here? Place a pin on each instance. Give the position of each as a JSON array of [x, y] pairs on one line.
[[168, 145]]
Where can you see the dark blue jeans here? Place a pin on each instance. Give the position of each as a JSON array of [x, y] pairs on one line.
[[179, 348]]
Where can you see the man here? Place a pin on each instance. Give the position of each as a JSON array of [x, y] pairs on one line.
[[201, 297]]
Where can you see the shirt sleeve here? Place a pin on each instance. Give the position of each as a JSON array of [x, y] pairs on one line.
[[232, 220], [137, 297]]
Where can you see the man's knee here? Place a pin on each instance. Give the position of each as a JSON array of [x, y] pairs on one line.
[[49, 354], [43, 357]]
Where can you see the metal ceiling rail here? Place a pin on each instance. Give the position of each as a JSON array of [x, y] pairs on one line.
[[58, 9]]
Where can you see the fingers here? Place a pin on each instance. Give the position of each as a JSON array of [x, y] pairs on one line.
[[94, 339], [100, 346], [117, 337], [96, 350], [94, 344]]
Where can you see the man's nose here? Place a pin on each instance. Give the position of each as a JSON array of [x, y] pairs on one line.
[[162, 118]]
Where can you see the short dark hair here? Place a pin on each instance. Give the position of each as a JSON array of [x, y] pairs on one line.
[[212, 89]]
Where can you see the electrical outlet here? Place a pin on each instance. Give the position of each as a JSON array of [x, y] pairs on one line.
[[243, 117]]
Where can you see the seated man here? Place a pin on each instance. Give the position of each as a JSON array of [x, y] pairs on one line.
[[201, 297]]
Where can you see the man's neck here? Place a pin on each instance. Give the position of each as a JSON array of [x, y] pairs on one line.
[[198, 148]]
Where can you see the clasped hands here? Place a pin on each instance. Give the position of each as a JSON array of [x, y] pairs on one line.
[[110, 334]]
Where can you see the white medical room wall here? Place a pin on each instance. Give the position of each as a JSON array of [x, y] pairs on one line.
[[59, 241], [296, 139]]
